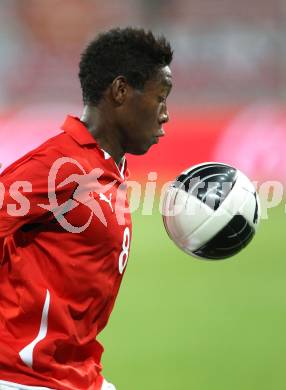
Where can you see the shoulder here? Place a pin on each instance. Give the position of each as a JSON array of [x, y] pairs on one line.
[[39, 162], [43, 155]]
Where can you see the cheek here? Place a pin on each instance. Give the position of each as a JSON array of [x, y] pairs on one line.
[[142, 119], [149, 117]]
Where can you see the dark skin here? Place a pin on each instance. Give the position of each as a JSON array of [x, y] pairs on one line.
[[128, 120]]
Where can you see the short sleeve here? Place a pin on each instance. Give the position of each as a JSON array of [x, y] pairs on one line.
[[24, 191]]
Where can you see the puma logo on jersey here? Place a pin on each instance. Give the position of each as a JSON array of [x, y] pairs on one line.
[[106, 199]]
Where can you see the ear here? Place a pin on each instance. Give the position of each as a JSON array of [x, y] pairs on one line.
[[119, 89]]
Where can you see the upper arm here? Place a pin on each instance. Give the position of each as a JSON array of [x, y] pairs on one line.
[[23, 192]]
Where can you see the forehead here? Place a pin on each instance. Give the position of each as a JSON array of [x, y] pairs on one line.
[[162, 79]]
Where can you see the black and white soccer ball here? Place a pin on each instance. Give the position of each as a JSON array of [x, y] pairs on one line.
[[211, 211]]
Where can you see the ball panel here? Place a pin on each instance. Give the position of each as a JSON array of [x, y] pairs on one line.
[[211, 182], [243, 200], [245, 182], [206, 231], [250, 209], [229, 241], [257, 211], [211, 164], [237, 198], [234, 204], [183, 217]]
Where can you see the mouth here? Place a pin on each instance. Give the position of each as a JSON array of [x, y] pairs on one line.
[[156, 137], [156, 140]]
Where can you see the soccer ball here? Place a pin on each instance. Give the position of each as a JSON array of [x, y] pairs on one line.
[[211, 211]]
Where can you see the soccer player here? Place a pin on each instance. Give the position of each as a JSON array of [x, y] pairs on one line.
[[65, 228]]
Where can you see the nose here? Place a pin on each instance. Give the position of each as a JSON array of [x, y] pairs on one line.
[[164, 117]]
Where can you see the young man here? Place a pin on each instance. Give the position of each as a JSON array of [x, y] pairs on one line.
[[65, 228]]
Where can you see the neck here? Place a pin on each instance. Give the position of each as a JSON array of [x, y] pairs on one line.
[[102, 129]]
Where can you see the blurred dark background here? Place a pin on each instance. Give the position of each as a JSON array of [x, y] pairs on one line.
[[225, 51]]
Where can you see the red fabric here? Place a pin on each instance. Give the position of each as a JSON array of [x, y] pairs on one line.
[[80, 271]]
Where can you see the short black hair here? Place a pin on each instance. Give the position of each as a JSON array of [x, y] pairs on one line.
[[133, 53]]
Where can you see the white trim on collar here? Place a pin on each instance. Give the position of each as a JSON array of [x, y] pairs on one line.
[[123, 161], [106, 155], [121, 171]]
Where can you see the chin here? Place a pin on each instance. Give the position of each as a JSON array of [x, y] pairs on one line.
[[139, 151]]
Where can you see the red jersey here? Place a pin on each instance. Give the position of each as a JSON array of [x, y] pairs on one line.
[[65, 234]]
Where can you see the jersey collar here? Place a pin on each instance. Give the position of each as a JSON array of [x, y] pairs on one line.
[[78, 131]]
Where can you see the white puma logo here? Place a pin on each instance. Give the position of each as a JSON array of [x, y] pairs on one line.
[[105, 199]]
